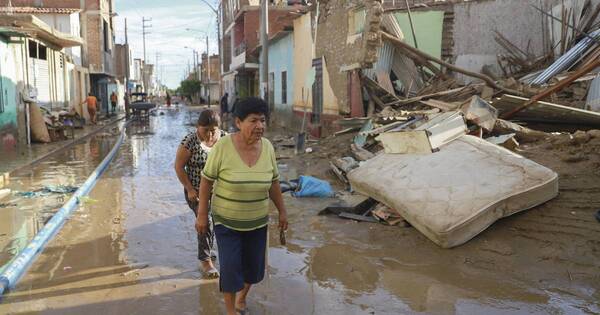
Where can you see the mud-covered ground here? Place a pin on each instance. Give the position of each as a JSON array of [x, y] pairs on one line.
[[132, 251]]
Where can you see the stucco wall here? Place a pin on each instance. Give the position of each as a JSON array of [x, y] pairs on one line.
[[303, 52]]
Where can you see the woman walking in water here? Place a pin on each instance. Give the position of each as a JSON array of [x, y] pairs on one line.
[[192, 155]]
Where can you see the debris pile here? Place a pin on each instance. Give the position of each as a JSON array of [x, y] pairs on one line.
[[49, 126], [442, 156]]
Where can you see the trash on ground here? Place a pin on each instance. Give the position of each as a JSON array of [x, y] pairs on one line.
[[309, 186], [47, 190]]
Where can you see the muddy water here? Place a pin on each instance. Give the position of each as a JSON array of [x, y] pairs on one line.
[[133, 252], [22, 216]]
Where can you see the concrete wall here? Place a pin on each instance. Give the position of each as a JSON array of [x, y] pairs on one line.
[[475, 23]]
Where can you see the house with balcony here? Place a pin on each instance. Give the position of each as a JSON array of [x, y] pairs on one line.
[[241, 38]]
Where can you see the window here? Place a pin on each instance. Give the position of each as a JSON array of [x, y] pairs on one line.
[[105, 33], [42, 52], [33, 52], [37, 50], [356, 21], [284, 87]]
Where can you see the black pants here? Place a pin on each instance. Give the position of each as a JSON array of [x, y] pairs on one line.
[[206, 242]]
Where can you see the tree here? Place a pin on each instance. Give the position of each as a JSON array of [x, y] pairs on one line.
[[189, 88]]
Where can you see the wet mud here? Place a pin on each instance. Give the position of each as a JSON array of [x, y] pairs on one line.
[[132, 251]]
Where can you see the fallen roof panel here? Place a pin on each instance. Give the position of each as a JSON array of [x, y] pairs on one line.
[[546, 112]]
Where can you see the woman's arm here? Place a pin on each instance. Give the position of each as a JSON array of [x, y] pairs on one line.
[[204, 195], [277, 197], [183, 156]]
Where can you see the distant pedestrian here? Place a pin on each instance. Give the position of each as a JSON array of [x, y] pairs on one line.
[[224, 106], [113, 101], [92, 105], [168, 99], [126, 101], [192, 155], [241, 175]]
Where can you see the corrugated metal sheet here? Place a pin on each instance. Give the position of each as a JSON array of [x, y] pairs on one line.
[[593, 98], [390, 23], [566, 61], [385, 58]]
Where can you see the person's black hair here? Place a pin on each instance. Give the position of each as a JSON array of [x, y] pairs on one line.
[[208, 117], [251, 105]]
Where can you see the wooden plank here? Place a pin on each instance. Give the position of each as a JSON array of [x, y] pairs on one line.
[[357, 217]]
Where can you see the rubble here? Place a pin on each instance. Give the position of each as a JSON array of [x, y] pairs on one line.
[[439, 124]]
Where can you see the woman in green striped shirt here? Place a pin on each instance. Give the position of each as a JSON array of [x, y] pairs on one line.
[[241, 173]]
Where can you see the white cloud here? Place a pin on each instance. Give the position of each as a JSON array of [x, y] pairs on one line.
[[168, 35]]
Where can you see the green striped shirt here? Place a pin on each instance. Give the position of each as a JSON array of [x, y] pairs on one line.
[[240, 199]]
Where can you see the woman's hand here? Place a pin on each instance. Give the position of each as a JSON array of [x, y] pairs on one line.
[[202, 224], [283, 222], [192, 195]]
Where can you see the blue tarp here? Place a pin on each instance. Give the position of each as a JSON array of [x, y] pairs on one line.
[[309, 186]]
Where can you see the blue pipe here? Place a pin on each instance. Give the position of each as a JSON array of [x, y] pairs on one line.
[[17, 267]]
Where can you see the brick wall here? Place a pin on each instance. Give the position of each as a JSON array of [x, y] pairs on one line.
[[94, 42], [278, 20], [338, 50]]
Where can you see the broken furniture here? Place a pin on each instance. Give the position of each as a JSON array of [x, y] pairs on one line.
[[422, 136], [456, 193]]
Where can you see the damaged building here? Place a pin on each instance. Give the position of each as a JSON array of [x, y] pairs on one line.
[[331, 61]]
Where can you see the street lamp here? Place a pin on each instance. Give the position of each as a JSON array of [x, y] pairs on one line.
[[218, 15]]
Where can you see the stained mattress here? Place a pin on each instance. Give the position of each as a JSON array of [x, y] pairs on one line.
[[456, 193]]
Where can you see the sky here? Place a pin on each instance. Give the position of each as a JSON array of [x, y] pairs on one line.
[[168, 35]]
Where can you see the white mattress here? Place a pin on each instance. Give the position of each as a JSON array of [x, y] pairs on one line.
[[456, 193]]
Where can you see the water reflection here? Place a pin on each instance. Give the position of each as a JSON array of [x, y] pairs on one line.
[[20, 217]]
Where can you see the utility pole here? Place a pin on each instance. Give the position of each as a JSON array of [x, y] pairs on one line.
[[218, 14], [207, 73], [144, 33], [126, 61], [264, 42]]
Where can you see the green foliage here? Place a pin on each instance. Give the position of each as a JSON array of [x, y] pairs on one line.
[[189, 88]]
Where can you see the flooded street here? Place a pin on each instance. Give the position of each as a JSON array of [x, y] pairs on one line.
[[131, 249]]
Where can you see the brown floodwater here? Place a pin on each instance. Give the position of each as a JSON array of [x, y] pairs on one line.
[[131, 249]]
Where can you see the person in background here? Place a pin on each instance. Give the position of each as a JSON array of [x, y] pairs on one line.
[[126, 101], [191, 157], [224, 106], [92, 105], [241, 175], [113, 101], [168, 99]]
